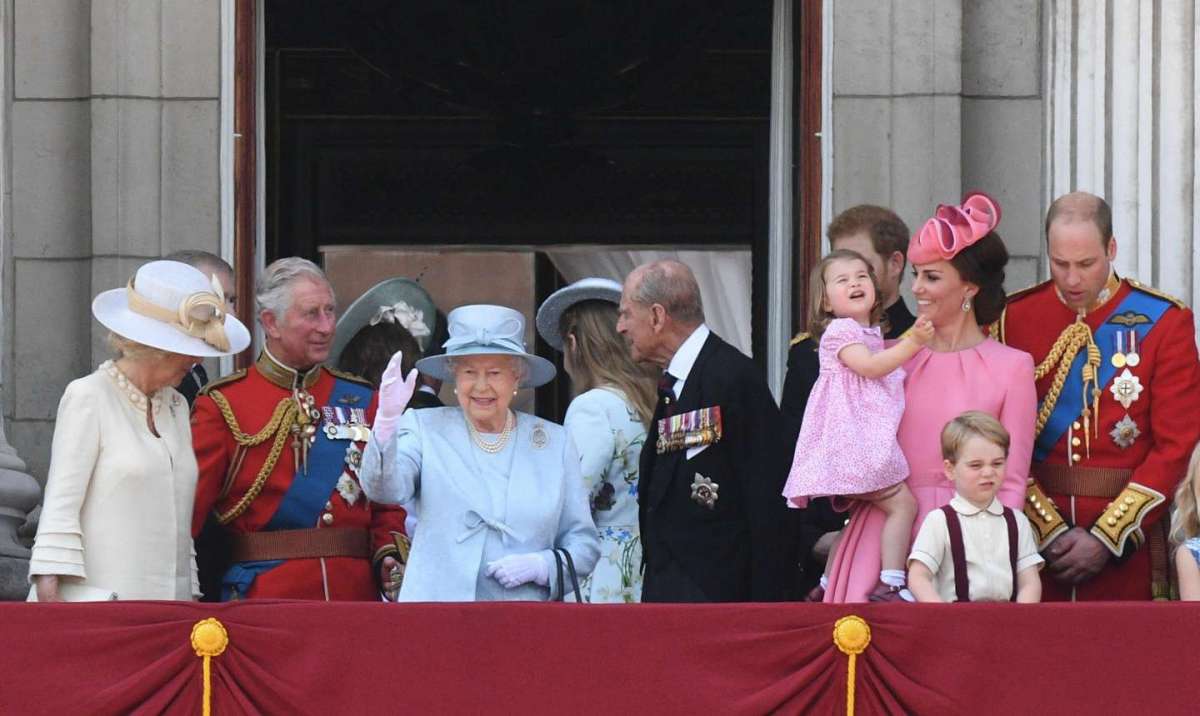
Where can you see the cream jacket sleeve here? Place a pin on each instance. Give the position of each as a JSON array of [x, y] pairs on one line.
[[58, 548]]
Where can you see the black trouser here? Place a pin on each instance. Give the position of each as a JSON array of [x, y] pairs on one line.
[[668, 582]]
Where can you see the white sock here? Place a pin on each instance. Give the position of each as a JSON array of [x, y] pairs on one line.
[[824, 582], [893, 577]]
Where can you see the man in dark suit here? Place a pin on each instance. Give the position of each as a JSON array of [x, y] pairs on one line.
[[212, 544], [714, 525], [882, 239]]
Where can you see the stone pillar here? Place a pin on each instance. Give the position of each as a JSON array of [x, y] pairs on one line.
[[114, 125], [19, 494], [1002, 123], [897, 86]]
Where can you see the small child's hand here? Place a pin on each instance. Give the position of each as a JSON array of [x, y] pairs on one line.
[[922, 331]]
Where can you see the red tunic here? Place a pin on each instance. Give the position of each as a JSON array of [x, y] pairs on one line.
[[1164, 415], [253, 397]]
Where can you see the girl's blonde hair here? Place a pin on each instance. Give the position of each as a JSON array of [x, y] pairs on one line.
[[601, 357], [818, 317], [1185, 523]]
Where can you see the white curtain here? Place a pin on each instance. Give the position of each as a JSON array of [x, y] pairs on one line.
[[724, 278]]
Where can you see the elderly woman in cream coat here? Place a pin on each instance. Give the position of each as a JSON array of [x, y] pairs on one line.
[[500, 491], [116, 519]]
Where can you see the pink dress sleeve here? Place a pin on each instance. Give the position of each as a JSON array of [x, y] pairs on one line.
[[1018, 415], [840, 333]]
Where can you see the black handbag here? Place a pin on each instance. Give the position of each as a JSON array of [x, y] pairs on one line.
[[561, 555]]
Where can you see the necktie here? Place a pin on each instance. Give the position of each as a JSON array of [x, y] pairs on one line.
[[666, 393]]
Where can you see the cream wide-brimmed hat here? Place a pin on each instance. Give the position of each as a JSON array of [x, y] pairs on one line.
[[173, 307], [487, 330], [549, 314]]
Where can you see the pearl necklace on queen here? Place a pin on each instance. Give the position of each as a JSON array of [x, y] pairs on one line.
[[496, 445], [126, 386]]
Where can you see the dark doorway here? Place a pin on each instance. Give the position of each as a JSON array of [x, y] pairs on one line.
[[519, 123]]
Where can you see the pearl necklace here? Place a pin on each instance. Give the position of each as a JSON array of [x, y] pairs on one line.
[[499, 443], [131, 391]]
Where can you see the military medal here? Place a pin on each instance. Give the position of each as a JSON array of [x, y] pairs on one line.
[[1118, 359], [704, 491], [1126, 388], [1125, 432], [691, 429], [348, 488], [538, 437], [1132, 358]]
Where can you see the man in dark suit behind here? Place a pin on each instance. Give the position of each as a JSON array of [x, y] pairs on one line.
[[715, 527], [882, 238]]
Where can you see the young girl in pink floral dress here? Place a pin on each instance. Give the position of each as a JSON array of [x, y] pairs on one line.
[[847, 446]]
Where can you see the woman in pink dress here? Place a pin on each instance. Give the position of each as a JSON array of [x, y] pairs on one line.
[[958, 267]]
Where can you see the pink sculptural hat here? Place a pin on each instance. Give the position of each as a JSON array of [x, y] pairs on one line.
[[954, 228]]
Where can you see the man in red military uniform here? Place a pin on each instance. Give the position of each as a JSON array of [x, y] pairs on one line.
[[278, 448], [1119, 390]]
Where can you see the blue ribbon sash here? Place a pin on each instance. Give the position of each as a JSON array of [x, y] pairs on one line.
[[1070, 400]]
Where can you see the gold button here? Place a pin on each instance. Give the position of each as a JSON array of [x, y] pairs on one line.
[[1129, 500], [1076, 457], [327, 518], [1112, 522], [1077, 426], [329, 505], [1031, 498], [1076, 442], [1043, 514]]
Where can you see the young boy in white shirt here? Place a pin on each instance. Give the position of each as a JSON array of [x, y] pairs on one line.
[[975, 549]]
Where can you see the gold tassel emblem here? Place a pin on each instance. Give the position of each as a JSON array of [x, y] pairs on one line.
[[851, 635], [209, 639]]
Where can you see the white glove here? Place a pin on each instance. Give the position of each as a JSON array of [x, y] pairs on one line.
[[517, 569], [394, 395]]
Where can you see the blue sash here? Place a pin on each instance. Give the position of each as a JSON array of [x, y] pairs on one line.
[[305, 499], [1070, 400]]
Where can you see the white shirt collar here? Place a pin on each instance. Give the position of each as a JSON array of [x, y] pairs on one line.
[[963, 507], [684, 358]]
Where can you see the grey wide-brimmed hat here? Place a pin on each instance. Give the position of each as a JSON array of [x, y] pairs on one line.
[[394, 300], [484, 329], [585, 289], [173, 307]]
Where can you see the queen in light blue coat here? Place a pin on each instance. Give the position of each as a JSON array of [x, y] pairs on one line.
[[499, 490]]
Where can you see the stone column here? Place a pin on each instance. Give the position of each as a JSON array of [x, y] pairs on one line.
[[19, 494]]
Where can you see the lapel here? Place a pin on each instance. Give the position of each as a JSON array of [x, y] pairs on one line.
[[668, 464]]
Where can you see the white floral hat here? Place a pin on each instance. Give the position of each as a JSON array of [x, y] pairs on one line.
[[173, 307], [394, 300]]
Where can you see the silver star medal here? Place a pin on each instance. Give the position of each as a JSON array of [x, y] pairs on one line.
[[704, 491], [348, 488], [1125, 432], [1126, 388]]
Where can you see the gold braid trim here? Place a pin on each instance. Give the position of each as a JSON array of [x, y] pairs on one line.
[[279, 426], [1077, 336]]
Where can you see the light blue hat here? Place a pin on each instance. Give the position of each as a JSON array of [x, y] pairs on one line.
[[585, 289], [487, 330]]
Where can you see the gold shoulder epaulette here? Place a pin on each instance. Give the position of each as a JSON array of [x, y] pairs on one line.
[[350, 377], [1155, 292], [1026, 290], [226, 380], [800, 338]]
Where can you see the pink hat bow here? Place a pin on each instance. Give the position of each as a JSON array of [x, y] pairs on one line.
[[954, 228]]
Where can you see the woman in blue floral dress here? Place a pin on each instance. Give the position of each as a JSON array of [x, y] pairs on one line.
[[607, 420]]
